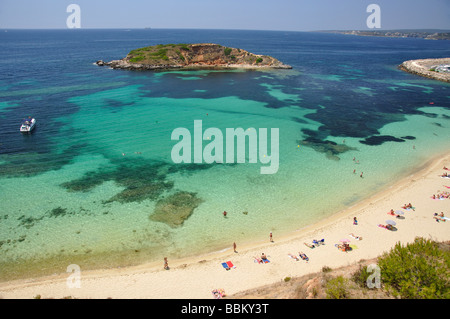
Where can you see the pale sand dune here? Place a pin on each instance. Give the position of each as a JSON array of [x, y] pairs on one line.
[[196, 277]]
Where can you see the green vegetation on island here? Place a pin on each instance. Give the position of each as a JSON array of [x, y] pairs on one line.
[[192, 56]]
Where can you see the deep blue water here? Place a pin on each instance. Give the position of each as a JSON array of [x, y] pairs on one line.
[[54, 65]]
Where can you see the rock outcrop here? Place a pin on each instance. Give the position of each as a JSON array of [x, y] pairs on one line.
[[192, 56]]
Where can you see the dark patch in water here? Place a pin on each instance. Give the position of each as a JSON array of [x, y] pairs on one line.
[[58, 212], [29, 221], [299, 120], [408, 137], [329, 148], [116, 103], [380, 139], [141, 180], [175, 209], [31, 164]]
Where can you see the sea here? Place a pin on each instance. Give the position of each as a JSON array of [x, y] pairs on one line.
[[96, 185]]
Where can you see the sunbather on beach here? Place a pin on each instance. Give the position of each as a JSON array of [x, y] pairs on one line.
[[319, 242], [439, 217], [355, 237], [309, 245], [293, 256], [303, 256]]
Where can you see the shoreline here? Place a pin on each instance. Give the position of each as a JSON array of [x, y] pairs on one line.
[[422, 67], [195, 277]]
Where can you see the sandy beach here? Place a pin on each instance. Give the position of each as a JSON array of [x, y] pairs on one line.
[[196, 277]]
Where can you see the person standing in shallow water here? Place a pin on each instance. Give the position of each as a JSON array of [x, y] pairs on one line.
[[166, 264]]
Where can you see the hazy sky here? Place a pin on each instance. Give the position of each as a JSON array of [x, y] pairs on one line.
[[295, 15]]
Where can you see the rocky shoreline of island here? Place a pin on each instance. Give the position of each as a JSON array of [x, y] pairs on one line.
[[429, 68], [193, 57]]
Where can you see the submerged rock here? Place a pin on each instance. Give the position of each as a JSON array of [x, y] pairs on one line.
[[329, 148], [175, 209]]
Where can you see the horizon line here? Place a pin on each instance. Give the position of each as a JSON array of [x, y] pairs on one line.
[[224, 29]]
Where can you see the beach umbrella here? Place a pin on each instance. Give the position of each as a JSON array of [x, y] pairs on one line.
[[399, 212], [391, 222], [344, 240]]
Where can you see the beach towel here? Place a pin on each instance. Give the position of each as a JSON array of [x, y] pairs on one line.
[[228, 265], [260, 261], [319, 242]]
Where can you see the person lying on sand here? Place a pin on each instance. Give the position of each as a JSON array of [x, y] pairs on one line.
[[355, 237], [293, 257], [439, 217], [393, 214], [344, 247], [319, 242], [409, 206], [303, 256], [309, 245]]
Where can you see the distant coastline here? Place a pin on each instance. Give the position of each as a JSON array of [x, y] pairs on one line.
[[424, 34], [426, 68]]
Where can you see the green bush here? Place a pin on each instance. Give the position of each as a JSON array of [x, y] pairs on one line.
[[137, 58], [259, 60], [336, 288], [227, 51], [419, 270]]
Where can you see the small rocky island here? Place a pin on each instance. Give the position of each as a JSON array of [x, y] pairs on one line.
[[193, 56], [437, 69]]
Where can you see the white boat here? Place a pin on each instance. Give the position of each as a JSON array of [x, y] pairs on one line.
[[28, 125]]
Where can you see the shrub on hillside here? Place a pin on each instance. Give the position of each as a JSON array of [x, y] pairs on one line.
[[419, 270]]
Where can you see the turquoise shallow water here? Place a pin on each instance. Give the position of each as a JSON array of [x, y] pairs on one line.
[[86, 185]]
